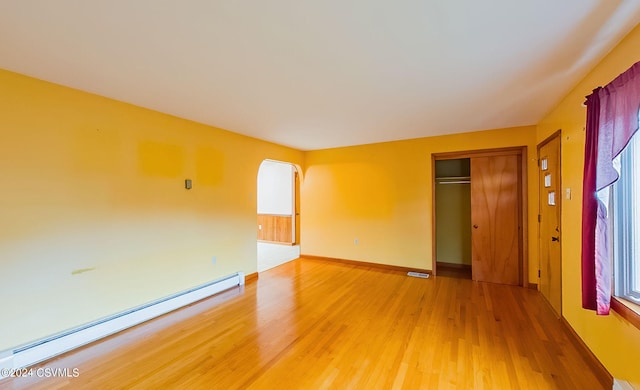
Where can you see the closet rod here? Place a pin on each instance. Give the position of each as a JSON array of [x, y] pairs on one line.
[[453, 177], [455, 182]]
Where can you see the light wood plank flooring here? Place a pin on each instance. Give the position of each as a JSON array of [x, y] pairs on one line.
[[310, 324]]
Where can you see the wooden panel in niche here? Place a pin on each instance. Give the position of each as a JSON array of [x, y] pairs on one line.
[[275, 228]]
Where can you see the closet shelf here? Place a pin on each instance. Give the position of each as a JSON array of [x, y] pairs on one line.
[[453, 180]]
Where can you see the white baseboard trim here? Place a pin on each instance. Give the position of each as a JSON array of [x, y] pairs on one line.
[[49, 347]]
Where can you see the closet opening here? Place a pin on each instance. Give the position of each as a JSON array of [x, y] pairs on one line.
[[453, 217], [479, 215]]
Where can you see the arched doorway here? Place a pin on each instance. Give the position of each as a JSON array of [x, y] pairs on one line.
[[278, 214]]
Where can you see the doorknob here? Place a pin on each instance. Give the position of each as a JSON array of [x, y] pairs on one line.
[[555, 238], [475, 226]]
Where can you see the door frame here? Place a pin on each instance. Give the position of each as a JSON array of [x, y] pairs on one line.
[[296, 206], [295, 200], [522, 152], [557, 134]]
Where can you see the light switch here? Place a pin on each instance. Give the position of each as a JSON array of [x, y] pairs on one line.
[[568, 193]]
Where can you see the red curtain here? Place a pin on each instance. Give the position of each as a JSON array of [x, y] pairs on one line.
[[612, 119], [590, 203]]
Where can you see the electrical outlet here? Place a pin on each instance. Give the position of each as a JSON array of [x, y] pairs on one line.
[[213, 260], [356, 241]]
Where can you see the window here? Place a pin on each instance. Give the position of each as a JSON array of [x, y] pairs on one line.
[[626, 224]]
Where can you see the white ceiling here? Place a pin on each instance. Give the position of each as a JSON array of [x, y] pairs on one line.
[[324, 73]]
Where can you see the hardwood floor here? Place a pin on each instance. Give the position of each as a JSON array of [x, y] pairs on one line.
[[311, 324]]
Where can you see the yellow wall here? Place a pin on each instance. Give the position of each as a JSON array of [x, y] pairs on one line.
[[381, 195], [614, 341], [89, 182]]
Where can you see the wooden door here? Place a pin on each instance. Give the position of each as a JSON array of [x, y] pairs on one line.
[[495, 210], [549, 238]]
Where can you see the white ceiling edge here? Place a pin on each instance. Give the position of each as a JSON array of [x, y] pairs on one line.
[[324, 75]]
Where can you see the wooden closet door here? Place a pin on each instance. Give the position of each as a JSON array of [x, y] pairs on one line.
[[495, 253]]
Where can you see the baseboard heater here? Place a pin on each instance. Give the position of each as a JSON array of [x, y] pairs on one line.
[[60, 343]]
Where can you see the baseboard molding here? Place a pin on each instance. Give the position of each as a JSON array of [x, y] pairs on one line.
[[46, 348], [532, 286], [251, 277], [453, 270], [444, 264], [277, 242], [357, 263], [603, 375]]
